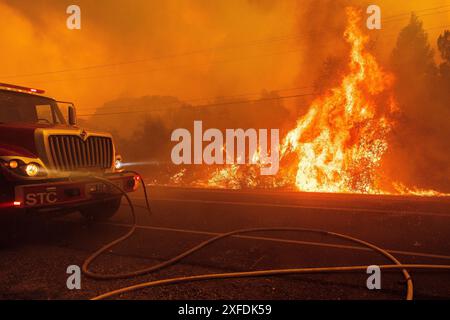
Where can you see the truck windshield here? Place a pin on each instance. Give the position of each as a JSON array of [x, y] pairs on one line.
[[21, 107]]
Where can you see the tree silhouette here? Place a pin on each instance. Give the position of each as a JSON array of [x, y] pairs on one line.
[[444, 45], [420, 140], [413, 63], [330, 75], [413, 53], [444, 49]]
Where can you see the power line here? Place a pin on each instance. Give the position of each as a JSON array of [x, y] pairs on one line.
[[420, 16], [408, 13], [202, 106], [175, 55], [94, 77], [253, 42], [393, 34], [223, 97], [217, 62], [229, 97]]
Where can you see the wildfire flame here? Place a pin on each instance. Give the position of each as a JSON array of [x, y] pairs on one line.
[[338, 145], [340, 142]]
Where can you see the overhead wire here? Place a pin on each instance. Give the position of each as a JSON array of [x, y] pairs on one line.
[[219, 104], [198, 51]]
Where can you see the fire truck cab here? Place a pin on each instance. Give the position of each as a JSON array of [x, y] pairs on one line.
[[49, 163]]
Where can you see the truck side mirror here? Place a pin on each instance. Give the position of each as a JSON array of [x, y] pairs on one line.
[[72, 115]]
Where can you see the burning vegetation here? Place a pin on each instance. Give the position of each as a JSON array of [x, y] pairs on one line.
[[339, 144], [369, 124]]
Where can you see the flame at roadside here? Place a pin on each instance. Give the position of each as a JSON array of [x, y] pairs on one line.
[[340, 142], [338, 145]]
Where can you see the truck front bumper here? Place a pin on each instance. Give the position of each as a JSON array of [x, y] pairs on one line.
[[72, 193]]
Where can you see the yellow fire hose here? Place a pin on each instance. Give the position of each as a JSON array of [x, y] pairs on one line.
[[397, 265]]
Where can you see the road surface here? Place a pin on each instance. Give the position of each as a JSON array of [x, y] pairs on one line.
[[36, 251]]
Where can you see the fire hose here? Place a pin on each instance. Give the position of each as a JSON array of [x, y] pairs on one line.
[[397, 265]]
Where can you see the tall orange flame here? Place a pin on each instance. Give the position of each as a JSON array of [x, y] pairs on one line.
[[339, 143]]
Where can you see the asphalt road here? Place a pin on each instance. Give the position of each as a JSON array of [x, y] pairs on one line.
[[36, 250]]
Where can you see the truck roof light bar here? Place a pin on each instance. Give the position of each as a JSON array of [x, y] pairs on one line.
[[20, 88]]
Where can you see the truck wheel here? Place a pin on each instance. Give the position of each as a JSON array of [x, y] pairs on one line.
[[101, 211]]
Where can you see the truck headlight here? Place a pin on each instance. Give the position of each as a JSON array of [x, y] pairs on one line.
[[25, 167], [32, 169], [118, 164]]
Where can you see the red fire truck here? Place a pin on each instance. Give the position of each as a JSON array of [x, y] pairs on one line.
[[49, 163]]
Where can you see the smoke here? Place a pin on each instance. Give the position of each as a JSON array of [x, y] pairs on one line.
[[187, 49], [161, 59]]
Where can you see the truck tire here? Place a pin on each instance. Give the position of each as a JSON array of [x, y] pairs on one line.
[[101, 211]]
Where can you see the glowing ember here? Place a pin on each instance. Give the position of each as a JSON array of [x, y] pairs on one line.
[[402, 189]]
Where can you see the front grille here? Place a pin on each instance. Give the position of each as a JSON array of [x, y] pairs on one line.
[[70, 152]]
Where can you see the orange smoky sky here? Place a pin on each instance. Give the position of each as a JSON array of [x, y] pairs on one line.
[[187, 49]]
